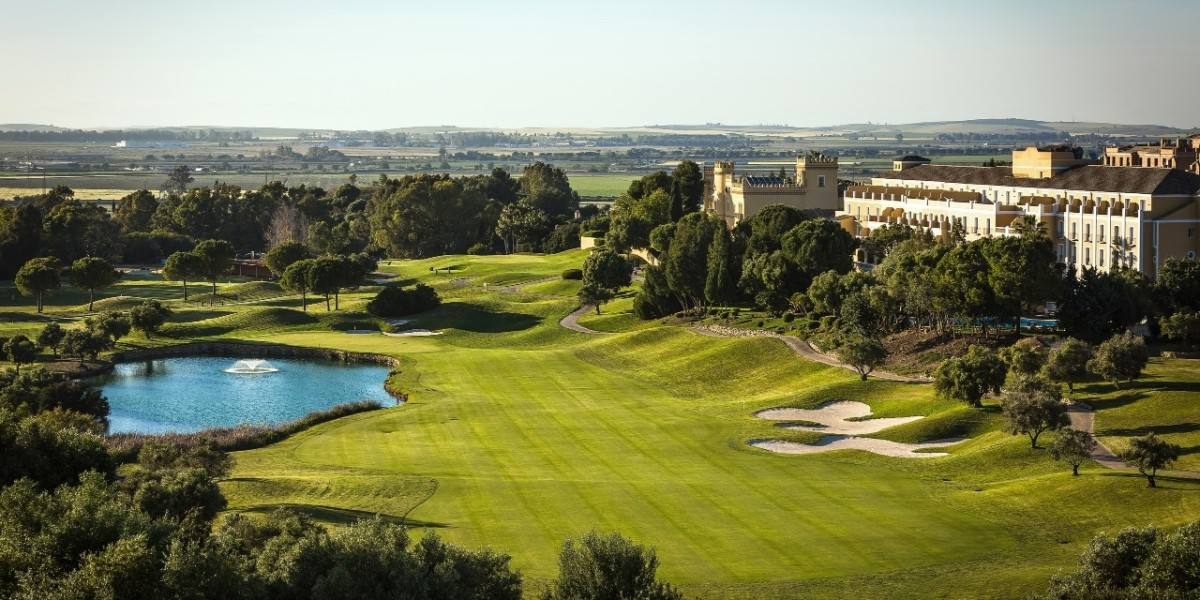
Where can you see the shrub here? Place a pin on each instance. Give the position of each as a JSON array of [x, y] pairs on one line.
[[1120, 358], [572, 274], [789, 317], [479, 249], [395, 301]]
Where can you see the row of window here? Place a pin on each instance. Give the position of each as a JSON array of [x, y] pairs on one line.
[[1087, 232]]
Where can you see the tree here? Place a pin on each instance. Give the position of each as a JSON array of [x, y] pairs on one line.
[[134, 211], [968, 378], [1183, 327], [608, 567], [686, 262], [283, 255], [724, 269], [654, 299], [545, 187], [1108, 568], [216, 258], [178, 180], [75, 229], [862, 352], [182, 266], [1032, 405], [1068, 363], [1025, 357], [148, 317], [819, 245], [50, 337], [39, 276], [1098, 305], [1073, 447], [295, 279], [325, 277], [520, 224], [1120, 358], [82, 343], [91, 273], [109, 324], [689, 181], [20, 350], [1023, 270], [593, 294], [1177, 285], [1148, 454], [395, 301], [604, 273]]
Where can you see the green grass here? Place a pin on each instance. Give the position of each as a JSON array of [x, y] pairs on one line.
[[519, 434], [1165, 401], [601, 184]]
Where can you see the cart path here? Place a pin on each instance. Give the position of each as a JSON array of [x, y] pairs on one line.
[[571, 321]]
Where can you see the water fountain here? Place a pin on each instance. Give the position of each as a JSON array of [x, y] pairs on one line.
[[251, 366]]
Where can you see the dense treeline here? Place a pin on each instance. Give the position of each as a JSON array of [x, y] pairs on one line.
[[413, 216]]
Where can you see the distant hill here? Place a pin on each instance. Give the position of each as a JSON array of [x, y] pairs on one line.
[[993, 126]]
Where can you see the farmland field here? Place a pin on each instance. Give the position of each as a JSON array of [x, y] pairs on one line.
[[519, 434]]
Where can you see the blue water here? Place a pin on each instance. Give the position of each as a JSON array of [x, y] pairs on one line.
[[189, 394]]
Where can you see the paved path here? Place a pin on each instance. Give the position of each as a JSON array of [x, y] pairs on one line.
[[803, 349], [1083, 418], [571, 321]]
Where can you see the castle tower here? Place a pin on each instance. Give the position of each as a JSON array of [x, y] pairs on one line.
[[818, 175]]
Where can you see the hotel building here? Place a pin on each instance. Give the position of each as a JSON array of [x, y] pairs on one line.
[[1132, 210], [739, 197]]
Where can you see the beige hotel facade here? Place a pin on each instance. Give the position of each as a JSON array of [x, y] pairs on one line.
[[1099, 215]]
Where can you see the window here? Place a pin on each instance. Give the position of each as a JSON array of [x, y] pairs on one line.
[[1191, 254], [820, 181], [1059, 228], [987, 225], [1087, 232], [1190, 232], [976, 227], [1116, 232], [1130, 235], [1072, 231], [1087, 256], [1100, 257]]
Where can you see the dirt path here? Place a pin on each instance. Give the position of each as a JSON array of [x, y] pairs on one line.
[[1083, 418], [802, 349], [571, 321]]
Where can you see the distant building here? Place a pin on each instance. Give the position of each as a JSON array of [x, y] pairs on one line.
[[735, 198], [1098, 216], [1181, 153]]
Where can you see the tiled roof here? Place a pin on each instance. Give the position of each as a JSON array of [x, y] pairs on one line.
[[1135, 180]]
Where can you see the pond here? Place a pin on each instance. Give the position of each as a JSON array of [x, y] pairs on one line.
[[189, 394]]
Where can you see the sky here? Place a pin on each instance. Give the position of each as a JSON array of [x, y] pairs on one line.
[[367, 64]]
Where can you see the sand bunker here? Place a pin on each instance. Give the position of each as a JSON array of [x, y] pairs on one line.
[[413, 333], [398, 322], [831, 443], [834, 417]]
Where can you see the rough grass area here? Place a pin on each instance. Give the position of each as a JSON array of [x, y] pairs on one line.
[[519, 434]]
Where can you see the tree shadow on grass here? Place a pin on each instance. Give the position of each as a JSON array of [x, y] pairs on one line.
[[22, 317], [1155, 429], [469, 317], [339, 516], [191, 316]]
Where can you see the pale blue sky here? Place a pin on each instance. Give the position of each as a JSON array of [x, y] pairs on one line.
[[368, 64]]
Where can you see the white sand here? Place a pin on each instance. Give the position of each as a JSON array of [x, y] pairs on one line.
[[413, 333], [837, 442], [833, 418]]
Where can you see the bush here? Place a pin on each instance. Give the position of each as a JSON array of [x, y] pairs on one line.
[[479, 249], [572, 274], [395, 301], [564, 237], [789, 317]]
